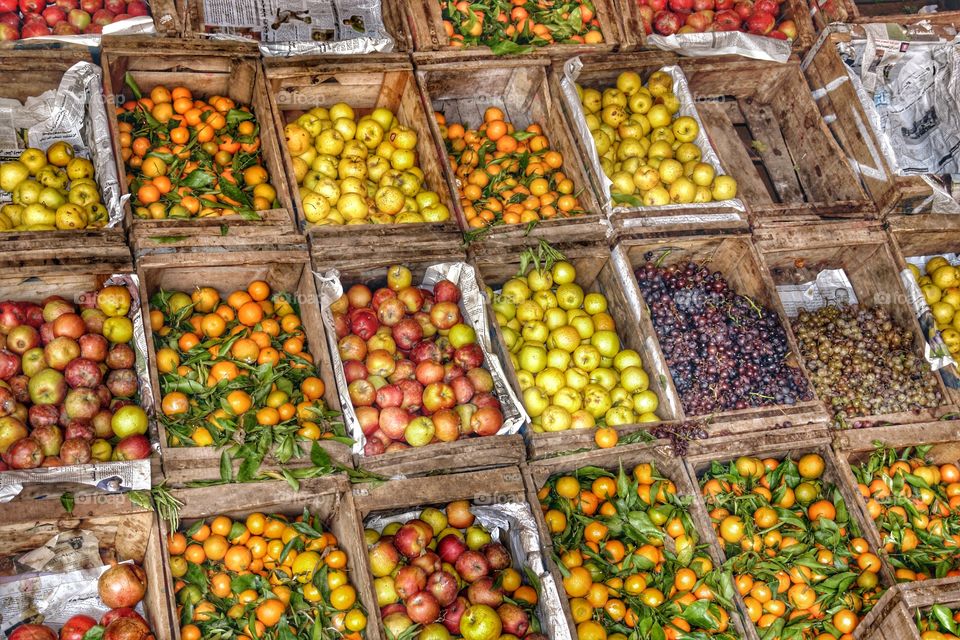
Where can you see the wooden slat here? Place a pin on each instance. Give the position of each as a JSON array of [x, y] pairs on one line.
[[734, 157]]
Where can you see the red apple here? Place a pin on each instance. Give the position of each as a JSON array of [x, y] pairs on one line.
[[9, 364], [24, 454], [453, 614], [364, 323], [515, 620], [761, 23], [438, 395], [462, 389], [138, 8], [429, 372], [103, 17], [483, 591], [404, 370], [352, 348], [394, 421], [354, 370], [444, 315], [135, 447], [380, 296], [22, 338], [443, 586], [406, 333], [53, 15], [666, 23], [428, 561], [411, 540], [744, 9], [425, 350], [362, 393], [469, 356], [359, 295], [472, 565], [412, 392], [789, 29], [409, 580], [450, 548], [389, 395], [727, 20], [121, 356]]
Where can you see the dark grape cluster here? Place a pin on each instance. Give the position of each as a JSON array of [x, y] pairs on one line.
[[863, 362], [679, 434], [724, 351]]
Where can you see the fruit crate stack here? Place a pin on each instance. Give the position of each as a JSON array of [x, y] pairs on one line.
[[80, 24]]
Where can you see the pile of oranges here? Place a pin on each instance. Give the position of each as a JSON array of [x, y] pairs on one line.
[[187, 157], [266, 577], [915, 505], [507, 176], [630, 558], [520, 25], [793, 548], [237, 365]]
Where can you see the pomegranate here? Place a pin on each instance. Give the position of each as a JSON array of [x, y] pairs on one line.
[[122, 585], [32, 632], [76, 627], [121, 612], [127, 629]]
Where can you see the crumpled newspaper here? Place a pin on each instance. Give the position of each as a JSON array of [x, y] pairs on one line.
[[717, 43], [74, 113], [301, 27]]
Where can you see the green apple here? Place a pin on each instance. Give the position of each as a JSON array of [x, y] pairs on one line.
[[567, 398], [556, 418], [533, 358], [634, 379], [511, 339], [606, 342], [576, 378], [546, 299], [462, 334], [559, 359], [584, 326], [616, 416], [535, 331], [627, 358], [516, 290], [539, 280], [566, 338], [525, 379], [586, 357], [551, 380], [569, 296], [596, 400], [582, 419], [386, 591], [645, 402], [477, 537], [480, 622], [12, 173], [529, 311], [505, 308], [563, 273], [605, 377], [535, 401], [554, 317], [594, 303]]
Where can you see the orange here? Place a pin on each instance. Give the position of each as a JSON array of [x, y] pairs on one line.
[[238, 298], [568, 487], [188, 341], [312, 388], [268, 416], [215, 547], [190, 632], [245, 350], [801, 596], [525, 593], [213, 325], [577, 583], [685, 579], [845, 620], [258, 289], [336, 559], [270, 611], [250, 313], [238, 558], [606, 437], [869, 562], [240, 402], [223, 370], [221, 525], [595, 531], [343, 597], [175, 403], [167, 360], [822, 509], [604, 488]]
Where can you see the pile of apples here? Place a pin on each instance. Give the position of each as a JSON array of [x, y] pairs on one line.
[[359, 170], [68, 386], [32, 18], [570, 364], [121, 588], [413, 367], [444, 572], [648, 153], [759, 17], [52, 190]]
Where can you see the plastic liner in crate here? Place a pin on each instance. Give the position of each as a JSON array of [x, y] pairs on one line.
[[732, 211], [717, 43], [74, 113], [461, 274], [296, 28], [911, 97], [511, 524], [111, 477]]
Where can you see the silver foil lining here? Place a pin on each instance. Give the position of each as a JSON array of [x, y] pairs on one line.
[[512, 525], [114, 476], [733, 208], [471, 302]]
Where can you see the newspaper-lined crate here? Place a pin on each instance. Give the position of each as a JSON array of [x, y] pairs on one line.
[[429, 32], [77, 283], [737, 259], [462, 90], [284, 270], [772, 139], [468, 452], [207, 69], [842, 109], [854, 448], [366, 84], [900, 12], [600, 72], [665, 464], [597, 272], [30, 73], [918, 236], [496, 496], [795, 258], [123, 532], [329, 499], [746, 44], [334, 28], [779, 446]]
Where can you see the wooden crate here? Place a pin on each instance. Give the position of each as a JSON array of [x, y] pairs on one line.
[[284, 270], [861, 250], [854, 447], [366, 83], [634, 33], [736, 257], [124, 531], [780, 446], [329, 498], [841, 107], [900, 12], [537, 473], [426, 27], [463, 89], [772, 139], [925, 235], [72, 280], [196, 26], [482, 488], [207, 68], [898, 620], [601, 72], [31, 72], [466, 454], [596, 272]]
